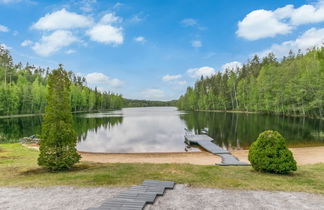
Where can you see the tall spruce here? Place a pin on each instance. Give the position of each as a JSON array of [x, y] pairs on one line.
[[58, 145]]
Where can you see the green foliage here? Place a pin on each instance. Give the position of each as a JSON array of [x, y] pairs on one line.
[[57, 147], [18, 168], [147, 103], [293, 86], [23, 90], [269, 153]]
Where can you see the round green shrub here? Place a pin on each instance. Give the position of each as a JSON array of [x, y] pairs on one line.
[[269, 153]]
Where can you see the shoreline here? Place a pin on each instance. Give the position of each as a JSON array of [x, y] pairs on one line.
[[40, 114], [303, 156], [256, 112]]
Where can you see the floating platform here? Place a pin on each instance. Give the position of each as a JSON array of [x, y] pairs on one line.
[[137, 196], [206, 143]]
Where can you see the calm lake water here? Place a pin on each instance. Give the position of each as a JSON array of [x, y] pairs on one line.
[[161, 129]]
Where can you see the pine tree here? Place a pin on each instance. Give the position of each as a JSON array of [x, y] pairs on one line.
[[57, 147]]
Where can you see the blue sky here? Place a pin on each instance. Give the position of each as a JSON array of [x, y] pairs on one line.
[[153, 49]]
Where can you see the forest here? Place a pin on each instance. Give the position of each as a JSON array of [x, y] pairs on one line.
[[147, 103], [293, 86], [23, 90]]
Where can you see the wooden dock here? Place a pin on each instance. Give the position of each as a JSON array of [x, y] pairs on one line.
[[206, 143], [137, 196]]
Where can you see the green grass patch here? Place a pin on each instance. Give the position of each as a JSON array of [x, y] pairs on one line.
[[18, 167]]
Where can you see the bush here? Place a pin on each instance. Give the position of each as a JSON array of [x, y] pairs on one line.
[[269, 153], [58, 142]]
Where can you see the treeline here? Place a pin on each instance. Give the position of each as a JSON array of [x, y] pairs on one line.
[[23, 90], [147, 103], [293, 86]]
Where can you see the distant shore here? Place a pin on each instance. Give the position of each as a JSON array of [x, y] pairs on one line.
[[253, 112], [40, 114], [230, 111]]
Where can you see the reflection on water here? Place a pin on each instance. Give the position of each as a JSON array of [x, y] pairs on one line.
[[161, 129], [238, 130], [152, 129], [12, 129]]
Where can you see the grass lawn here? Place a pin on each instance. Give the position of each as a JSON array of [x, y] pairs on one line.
[[18, 167]]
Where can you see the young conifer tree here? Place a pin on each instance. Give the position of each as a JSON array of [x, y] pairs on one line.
[[58, 145]]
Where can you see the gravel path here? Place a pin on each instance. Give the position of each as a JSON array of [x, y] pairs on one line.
[[182, 197], [60, 198]]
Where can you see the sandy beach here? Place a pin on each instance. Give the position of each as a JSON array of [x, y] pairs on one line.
[[306, 155], [198, 158], [303, 156]]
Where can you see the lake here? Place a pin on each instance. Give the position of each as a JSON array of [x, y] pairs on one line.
[[161, 129]]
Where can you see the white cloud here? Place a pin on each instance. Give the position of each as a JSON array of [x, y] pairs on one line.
[[309, 39], [69, 52], [135, 19], [6, 47], [153, 94], [110, 18], [106, 34], [96, 78], [168, 77], [182, 82], [205, 71], [87, 5], [62, 19], [196, 43], [139, 39], [260, 24], [9, 1], [26, 43], [189, 22], [54, 42], [3, 28], [308, 14], [232, 65], [116, 82], [117, 5], [174, 79], [269, 23]]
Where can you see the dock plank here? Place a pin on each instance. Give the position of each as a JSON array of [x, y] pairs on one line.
[[205, 142], [137, 196], [211, 147], [165, 184]]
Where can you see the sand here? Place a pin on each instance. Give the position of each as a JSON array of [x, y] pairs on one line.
[[198, 158], [303, 156]]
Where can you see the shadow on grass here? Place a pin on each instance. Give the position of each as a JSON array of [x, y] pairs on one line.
[[289, 174], [37, 171], [9, 157]]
